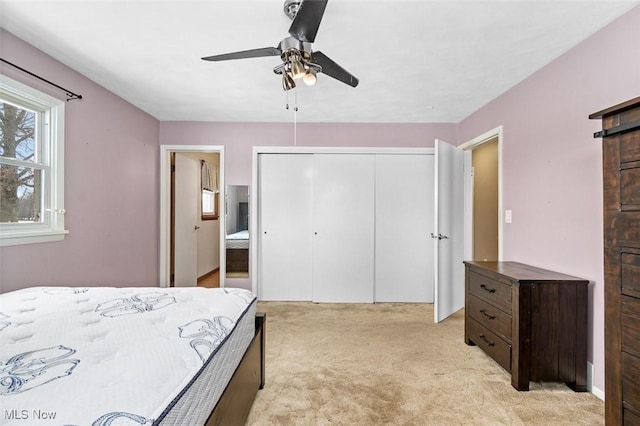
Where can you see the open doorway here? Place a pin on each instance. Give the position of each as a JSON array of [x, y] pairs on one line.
[[484, 160], [191, 227], [483, 197]]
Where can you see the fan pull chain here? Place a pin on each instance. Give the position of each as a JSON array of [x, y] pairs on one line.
[[295, 115], [295, 120]]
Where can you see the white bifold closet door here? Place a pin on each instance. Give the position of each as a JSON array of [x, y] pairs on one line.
[[285, 238], [343, 228], [404, 259]]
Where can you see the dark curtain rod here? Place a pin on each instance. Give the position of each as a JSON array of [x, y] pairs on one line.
[[72, 96]]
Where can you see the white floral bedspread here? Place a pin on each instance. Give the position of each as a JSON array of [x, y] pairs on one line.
[[107, 356]]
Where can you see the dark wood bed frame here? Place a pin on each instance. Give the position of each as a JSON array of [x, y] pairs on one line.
[[235, 403]]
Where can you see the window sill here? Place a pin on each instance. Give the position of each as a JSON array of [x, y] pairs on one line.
[[19, 238]]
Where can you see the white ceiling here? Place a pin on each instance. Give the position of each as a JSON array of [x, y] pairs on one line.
[[417, 61]]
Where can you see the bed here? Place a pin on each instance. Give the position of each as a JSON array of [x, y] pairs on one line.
[[129, 356], [237, 245]]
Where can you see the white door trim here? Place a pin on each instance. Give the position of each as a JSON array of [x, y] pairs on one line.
[[468, 190], [165, 206]]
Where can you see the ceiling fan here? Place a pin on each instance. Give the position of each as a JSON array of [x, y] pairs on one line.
[[299, 61]]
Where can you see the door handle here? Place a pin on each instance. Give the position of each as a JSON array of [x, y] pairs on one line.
[[439, 236], [197, 227]]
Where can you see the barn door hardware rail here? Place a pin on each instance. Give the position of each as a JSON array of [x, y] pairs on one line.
[[70, 95], [618, 129]]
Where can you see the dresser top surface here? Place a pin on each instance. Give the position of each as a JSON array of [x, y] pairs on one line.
[[522, 272]]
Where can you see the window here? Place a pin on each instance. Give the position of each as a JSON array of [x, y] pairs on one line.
[[209, 194], [31, 165], [209, 205]]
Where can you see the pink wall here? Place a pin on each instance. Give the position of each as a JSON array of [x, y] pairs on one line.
[[552, 164], [240, 138], [111, 187]]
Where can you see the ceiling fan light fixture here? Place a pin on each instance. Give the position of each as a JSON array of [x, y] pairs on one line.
[[310, 77], [287, 81], [297, 69], [299, 60]]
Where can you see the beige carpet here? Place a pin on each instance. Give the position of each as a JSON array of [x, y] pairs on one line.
[[389, 364]]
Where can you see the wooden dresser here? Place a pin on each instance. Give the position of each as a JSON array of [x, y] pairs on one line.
[[531, 321], [621, 183]]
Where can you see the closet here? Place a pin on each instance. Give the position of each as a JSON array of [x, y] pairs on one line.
[[621, 203], [346, 227]]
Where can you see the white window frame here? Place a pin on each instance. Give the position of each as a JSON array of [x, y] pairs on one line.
[[51, 146]]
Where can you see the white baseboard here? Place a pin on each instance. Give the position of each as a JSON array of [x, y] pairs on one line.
[[594, 390], [598, 392]]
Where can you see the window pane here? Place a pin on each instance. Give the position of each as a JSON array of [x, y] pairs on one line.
[[20, 194], [17, 132], [207, 202]]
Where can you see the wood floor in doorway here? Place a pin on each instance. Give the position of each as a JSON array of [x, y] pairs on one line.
[[210, 281]]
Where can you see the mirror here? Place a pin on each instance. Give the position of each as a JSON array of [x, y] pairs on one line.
[[237, 232]]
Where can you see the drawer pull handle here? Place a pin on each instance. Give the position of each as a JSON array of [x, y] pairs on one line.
[[486, 341], [484, 312], [490, 290]]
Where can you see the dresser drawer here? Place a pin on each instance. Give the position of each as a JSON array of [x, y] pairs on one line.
[[491, 290], [490, 316], [490, 343], [630, 326], [631, 381]]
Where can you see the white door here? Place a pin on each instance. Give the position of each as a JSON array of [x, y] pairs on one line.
[[343, 228], [284, 229], [404, 268], [449, 230], [186, 208]]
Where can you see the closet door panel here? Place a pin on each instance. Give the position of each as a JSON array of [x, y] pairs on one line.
[[404, 220], [285, 221], [343, 239]]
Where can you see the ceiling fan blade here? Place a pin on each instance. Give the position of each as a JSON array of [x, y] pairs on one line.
[[254, 53], [334, 70], [307, 21]]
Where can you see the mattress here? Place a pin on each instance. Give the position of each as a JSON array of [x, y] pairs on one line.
[[119, 356], [238, 240]]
